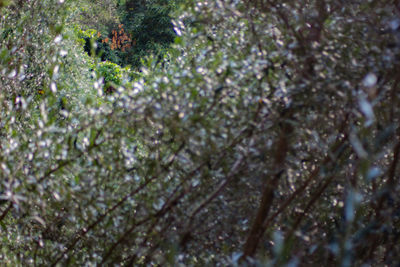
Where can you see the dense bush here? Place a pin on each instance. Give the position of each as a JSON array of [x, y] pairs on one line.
[[269, 136], [146, 24], [149, 23], [113, 75]]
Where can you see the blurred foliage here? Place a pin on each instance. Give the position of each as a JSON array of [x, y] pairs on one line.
[[99, 15], [266, 135]]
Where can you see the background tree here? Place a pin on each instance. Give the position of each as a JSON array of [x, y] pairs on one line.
[[149, 22], [99, 15]]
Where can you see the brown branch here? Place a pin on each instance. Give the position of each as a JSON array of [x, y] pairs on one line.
[[130, 260], [124, 236], [309, 205], [170, 204], [306, 183], [84, 231], [260, 223], [5, 212], [393, 166], [219, 189], [80, 234], [390, 184], [158, 215], [258, 228]]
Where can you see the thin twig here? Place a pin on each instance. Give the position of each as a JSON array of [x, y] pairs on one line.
[[5, 212]]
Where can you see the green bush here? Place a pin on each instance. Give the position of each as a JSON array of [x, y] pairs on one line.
[[112, 73]]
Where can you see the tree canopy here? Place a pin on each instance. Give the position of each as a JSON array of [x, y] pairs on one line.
[[230, 133]]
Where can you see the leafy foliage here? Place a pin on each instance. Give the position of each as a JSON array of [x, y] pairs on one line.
[[268, 136], [149, 22], [145, 29], [99, 15], [113, 75]]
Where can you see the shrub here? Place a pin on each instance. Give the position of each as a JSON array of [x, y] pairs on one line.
[[112, 73]]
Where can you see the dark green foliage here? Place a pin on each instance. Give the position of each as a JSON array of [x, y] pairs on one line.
[[105, 53], [150, 24]]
